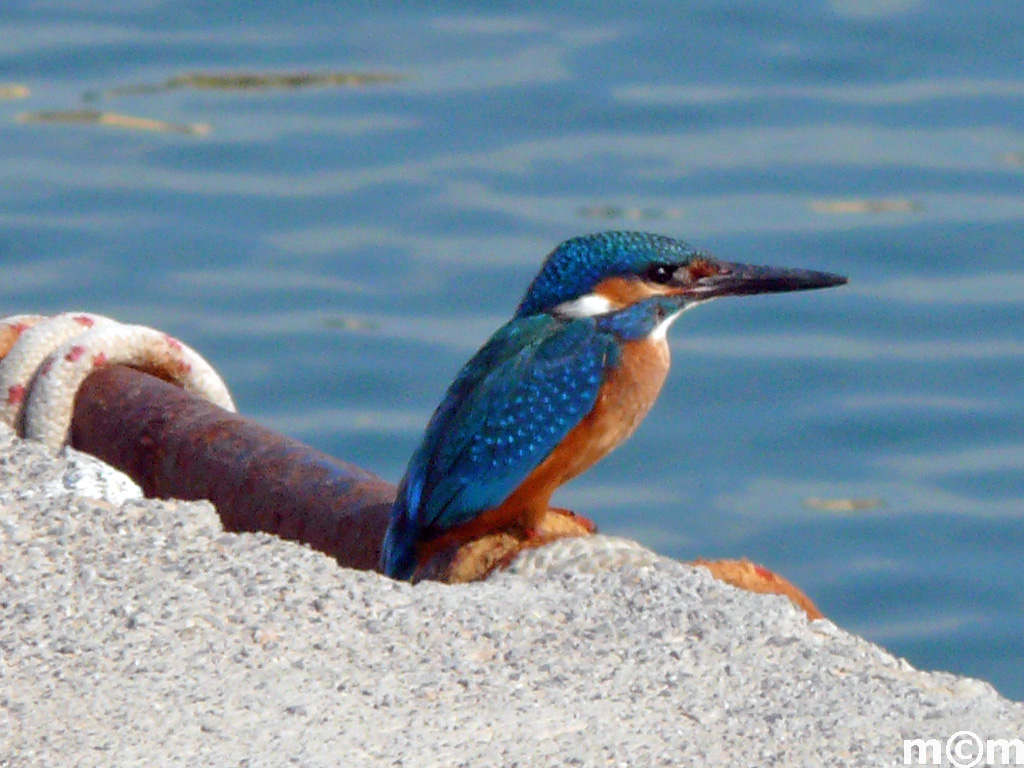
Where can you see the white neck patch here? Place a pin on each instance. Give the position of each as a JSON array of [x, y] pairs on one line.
[[589, 305], [660, 331]]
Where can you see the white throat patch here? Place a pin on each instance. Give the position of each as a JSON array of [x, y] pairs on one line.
[[660, 331]]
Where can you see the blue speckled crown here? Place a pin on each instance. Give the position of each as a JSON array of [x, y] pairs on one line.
[[576, 266]]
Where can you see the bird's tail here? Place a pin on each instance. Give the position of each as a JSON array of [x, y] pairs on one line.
[[398, 556]]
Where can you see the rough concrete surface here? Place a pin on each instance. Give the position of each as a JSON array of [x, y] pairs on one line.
[[139, 633]]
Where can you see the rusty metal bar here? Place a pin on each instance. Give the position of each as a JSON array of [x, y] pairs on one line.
[[176, 445]]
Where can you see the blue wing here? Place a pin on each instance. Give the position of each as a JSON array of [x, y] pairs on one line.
[[508, 408]]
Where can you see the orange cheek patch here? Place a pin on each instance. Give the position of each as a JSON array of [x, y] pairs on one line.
[[623, 292]]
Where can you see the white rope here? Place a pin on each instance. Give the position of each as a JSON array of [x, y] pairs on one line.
[[47, 359]]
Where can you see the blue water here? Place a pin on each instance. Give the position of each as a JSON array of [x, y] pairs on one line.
[[338, 252]]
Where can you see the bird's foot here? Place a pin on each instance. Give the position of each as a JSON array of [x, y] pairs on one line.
[[471, 552], [557, 523], [585, 522]]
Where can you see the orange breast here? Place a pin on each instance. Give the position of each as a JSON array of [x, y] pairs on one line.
[[624, 400]]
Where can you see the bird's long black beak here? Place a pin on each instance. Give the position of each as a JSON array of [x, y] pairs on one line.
[[731, 279]]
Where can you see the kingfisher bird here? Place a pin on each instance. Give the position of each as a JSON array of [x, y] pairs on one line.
[[555, 389]]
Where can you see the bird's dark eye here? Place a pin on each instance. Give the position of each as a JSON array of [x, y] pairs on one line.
[[660, 273]]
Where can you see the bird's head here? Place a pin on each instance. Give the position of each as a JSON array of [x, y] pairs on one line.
[[610, 271]]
